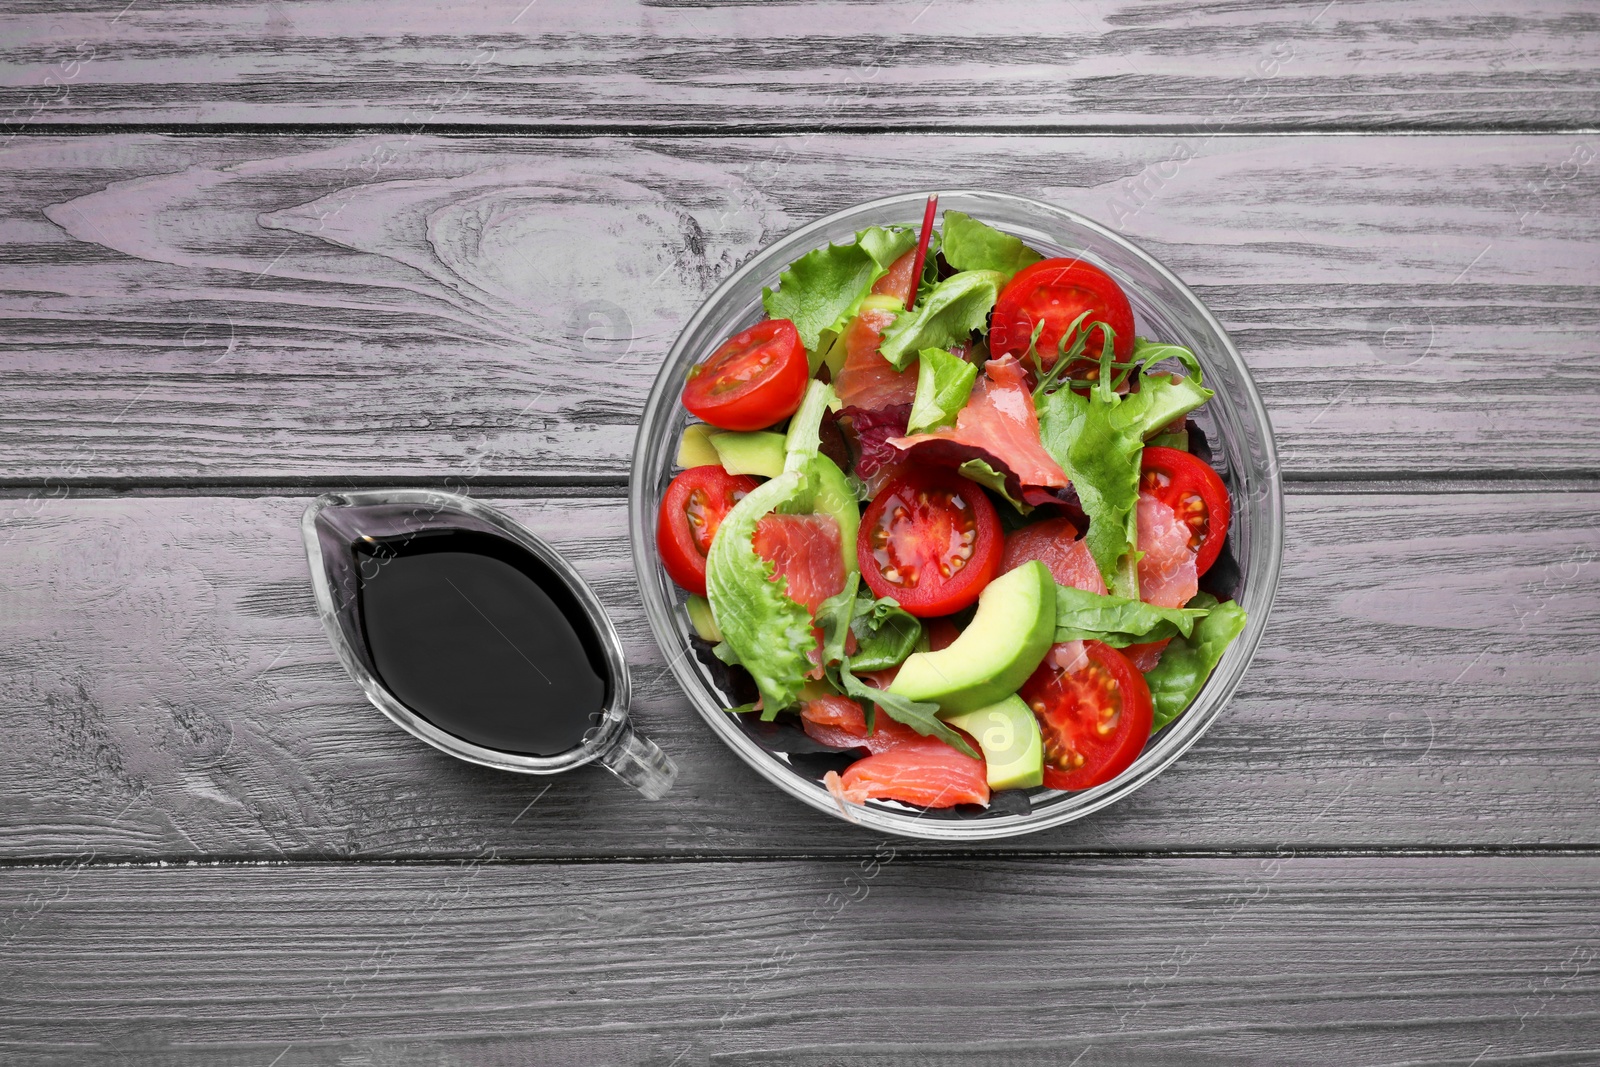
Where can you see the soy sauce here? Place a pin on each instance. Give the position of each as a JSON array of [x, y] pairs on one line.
[[476, 635]]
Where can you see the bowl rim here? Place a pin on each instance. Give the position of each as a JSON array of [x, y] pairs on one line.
[[1174, 741]]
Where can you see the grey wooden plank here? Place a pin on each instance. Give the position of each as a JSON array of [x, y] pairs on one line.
[[1375, 64], [168, 693], [251, 309], [1287, 959]]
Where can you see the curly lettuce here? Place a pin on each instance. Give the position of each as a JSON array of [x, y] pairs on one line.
[[973, 245], [1098, 439], [822, 290], [762, 629]]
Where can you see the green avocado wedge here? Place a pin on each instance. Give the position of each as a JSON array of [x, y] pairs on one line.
[[835, 497], [760, 452], [1012, 630], [1013, 753]]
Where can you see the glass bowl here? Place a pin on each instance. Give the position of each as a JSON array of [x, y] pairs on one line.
[[1234, 425]]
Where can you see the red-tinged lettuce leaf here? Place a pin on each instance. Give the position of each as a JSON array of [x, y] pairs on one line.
[[871, 431]]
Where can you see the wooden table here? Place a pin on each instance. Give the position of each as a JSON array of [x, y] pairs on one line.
[[253, 252]]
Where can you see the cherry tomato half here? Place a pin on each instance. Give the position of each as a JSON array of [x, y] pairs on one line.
[[756, 378], [1056, 292], [1094, 713], [694, 506], [1195, 493], [930, 539]]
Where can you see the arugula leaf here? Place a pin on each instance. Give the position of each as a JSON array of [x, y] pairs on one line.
[[973, 245], [1118, 621], [1099, 439], [885, 633], [945, 315], [1147, 352], [944, 381], [822, 290], [921, 717], [834, 616], [1188, 661]]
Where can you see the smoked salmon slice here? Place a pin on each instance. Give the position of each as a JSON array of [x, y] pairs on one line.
[[840, 722], [925, 772], [998, 424]]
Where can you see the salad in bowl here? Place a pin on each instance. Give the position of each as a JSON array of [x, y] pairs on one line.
[[950, 540]]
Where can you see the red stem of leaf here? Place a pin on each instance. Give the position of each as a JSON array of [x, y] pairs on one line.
[[922, 249]]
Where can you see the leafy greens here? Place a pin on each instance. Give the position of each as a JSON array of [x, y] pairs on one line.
[[1118, 621], [823, 289], [973, 245], [944, 381], [1188, 661], [946, 315], [1098, 439], [767, 632]]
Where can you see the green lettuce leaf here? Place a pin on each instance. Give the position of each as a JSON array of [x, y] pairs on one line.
[[945, 315], [767, 632], [1100, 454], [921, 717], [1099, 439], [973, 245], [1188, 661], [944, 381], [977, 470], [1118, 621], [821, 290], [885, 633]]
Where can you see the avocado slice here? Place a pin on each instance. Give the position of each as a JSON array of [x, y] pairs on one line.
[[1013, 753], [1012, 630], [760, 452], [700, 617], [834, 497], [693, 448]]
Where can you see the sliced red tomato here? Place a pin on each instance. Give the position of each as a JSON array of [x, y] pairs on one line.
[[1094, 713], [1187, 484], [692, 509], [1055, 543], [1055, 292], [840, 722], [897, 283], [931, 540], [805, 551], [866, 380], [755, 379], [925, 772]]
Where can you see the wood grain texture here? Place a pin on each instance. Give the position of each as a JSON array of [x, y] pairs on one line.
[[259, 309], [1290, 959], [169, 693], [934, 64]]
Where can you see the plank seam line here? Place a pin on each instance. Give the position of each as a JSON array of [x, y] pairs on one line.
[[767, 130], [1436, 483], [906, 852]]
